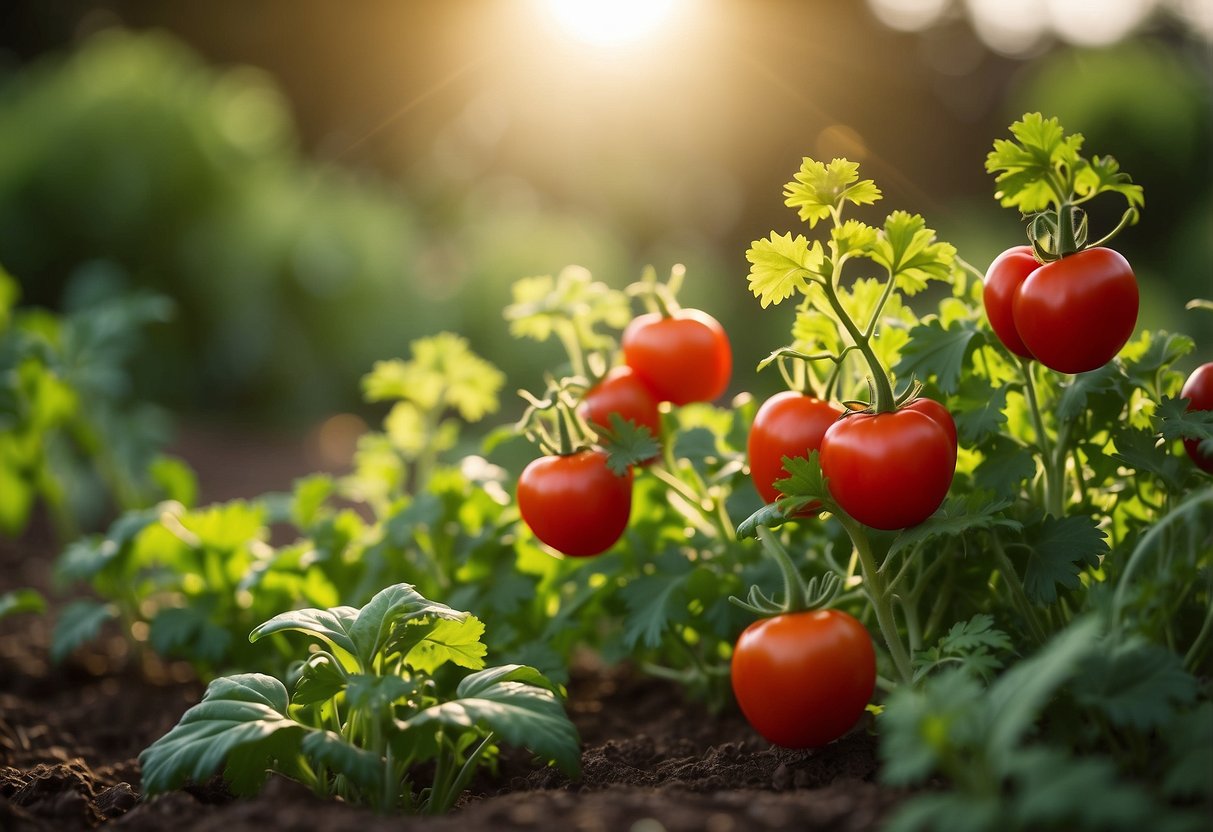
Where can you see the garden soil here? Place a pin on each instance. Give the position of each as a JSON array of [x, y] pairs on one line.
[[70, 736]]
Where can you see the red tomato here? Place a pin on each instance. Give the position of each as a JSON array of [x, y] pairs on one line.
[[889, 470], [788, 424], [1198, 390], [624, 393], [575, 503], [803, 679], [940, 414], [683, 358], [1002, 279], [1075, 314]]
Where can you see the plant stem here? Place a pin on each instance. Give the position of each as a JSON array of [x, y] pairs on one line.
[[1053, 492], [884, 390], [567, 333], [878, 594]]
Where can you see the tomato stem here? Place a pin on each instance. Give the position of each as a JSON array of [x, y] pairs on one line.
[[884, 399], [1053, 488], [878, 595]]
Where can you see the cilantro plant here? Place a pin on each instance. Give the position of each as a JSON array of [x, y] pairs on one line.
[[366, 712]]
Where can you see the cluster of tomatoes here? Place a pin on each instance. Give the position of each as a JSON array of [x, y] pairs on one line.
[[1072, 314], [574, 502]]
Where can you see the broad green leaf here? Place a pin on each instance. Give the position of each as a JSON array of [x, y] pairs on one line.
[[227, 527], [188, 631], [979, 410], [372, 694], [1144, 452], [79, 622], [361, 767], [308, 498], [1189, 739], [782, 266], [321, 678], [935, 352], [521, 713], [1060, 549], [474, 684], [175, 479], [373, 624], [405, 427], [242, 721], [455, 641], [332, 625], [957, 811], [21, 600], [910, 252], [1077, 395], [1135, 684], [817, 188]]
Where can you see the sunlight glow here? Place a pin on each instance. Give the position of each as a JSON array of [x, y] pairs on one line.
[[609, 22]]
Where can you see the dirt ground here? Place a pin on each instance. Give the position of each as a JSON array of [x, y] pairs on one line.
[[70, 736]]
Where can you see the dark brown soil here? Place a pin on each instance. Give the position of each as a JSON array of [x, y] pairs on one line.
[[70, 738]]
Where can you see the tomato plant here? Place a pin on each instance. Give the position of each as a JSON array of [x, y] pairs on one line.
[[803, 679], [1198, 390], [1075, 314], [575, 503], [788, 424], [1002, 281], [889, 470], [683, 356]]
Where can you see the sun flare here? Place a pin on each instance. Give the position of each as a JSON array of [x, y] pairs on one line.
[[609, 22]]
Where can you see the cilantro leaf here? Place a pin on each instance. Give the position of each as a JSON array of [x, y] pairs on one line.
[[972, 646], [448, 640], [1060, 550], [957, 517], [572, 298], [908, 249], [1006, 467], [627, 444], [853, 237], [1102, 175], [1175, 421], [781, 266], [805, 484], [653, 598], [1135, 684], [817, 188], [443, 372], [1026, 165]]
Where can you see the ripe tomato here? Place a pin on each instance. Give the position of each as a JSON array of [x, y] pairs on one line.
[[803, 679], [683, 358], [1198, 390], [575, 503], [940, 414], [890, 470], [624, 393], [1075, 314], [788, 424], [1003, 277]]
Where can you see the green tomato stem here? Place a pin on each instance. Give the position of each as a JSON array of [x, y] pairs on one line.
[[794, 596], [1053, 489], [880, 377], [879, 596]]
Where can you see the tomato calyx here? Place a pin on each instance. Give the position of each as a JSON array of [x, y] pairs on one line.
[[552, 422], [799, 595]]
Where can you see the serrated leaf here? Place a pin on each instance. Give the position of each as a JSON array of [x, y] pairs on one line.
[[782, 266], [627, 444], [1076, 396], [1047, 781], [921, 725], [1135, 684], [456, 642], [853, 237], [939, 353], [972, 646], [1060, 549], [816, 188], [1175, 421], [1102, 174], [979, 410], [399, 603], [1025, 164], [79, 622], [910, 252], [241, 720], [573, 298], [957, 517], [443, 372], [653, 599], [1142, 451], [20, 601], [508, 702], [1006, 467]]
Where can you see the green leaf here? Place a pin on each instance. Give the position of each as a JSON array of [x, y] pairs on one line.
[[910, 253], [455, 641], [1006, 467], [922, 726], [1025, 165], [653, 598], [1135, 684], [21, 600], [188, 631], [979, 410], [1189, 739], [959, 516], [782, 266], [769, 515], [972, 646], [508, 702], [1048, 780], [1174, 421], [817, 188], [627, 444], [1016, 699], [175, 479], [955, 811], [332, 626], [1076, 396], [1102, 175], [1060, 550], [372, 694], [241, 720], [1142, 451], [361, 767], [443, 372], [320, 679], [934, 351], [79, 622], [573, 301], [853, 237], [372, 628], [308, 497], [805, 484]]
